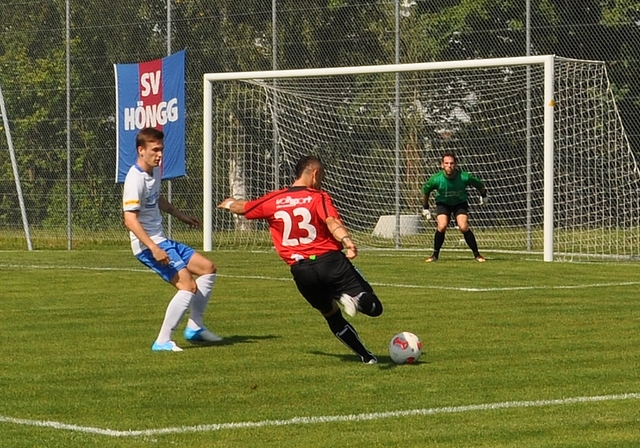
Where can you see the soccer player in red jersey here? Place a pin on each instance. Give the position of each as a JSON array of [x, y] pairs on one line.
[[309, 236]]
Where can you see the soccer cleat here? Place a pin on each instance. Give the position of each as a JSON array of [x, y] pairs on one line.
[[480, 258], [168, 346], [350, 304], [371, 360], [200, 335], [431, 258]]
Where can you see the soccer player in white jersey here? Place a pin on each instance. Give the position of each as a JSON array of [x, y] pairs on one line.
[[175, 262]]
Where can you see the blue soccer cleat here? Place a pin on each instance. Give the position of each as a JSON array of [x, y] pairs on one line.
[[201, 335], [168, 346]]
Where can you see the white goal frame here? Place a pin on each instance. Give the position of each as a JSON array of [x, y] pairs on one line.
[[546, 60]]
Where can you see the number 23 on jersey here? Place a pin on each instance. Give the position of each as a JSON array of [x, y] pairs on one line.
[[298, 228]]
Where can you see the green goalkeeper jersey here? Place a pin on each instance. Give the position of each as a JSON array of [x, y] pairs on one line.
[[451, 191]]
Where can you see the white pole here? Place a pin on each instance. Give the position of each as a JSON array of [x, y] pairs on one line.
[[16, 175], [397, 122], [549, 104], [274, 65], [207, 169], [169, 198], [365, 69], [529, 153], [68, 81]]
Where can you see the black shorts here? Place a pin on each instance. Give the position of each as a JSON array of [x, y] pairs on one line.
[[325, 279], [452, 210]]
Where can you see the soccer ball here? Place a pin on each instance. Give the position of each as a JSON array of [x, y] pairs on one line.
[[405, 348]]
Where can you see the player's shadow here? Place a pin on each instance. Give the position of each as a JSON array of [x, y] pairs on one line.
[[230, 340], [384, 361]]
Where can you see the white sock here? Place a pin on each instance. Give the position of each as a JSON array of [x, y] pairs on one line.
[[200, 300], [175, 310]]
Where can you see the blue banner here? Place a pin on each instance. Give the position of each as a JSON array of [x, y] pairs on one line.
[[151, 94]]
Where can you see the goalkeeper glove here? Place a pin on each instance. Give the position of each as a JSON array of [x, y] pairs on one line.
[[484, 200], [426, 213]]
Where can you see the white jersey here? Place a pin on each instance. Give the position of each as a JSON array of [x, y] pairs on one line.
[[141, 193]]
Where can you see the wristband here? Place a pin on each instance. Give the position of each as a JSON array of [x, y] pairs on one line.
[[339, 227]]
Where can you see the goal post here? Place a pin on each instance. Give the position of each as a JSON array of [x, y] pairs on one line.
[[16, 173], [488, 111]]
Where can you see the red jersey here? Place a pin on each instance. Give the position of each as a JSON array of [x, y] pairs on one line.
[[296, 217]]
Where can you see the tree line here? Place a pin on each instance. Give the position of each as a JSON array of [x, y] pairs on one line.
[[223, 35]]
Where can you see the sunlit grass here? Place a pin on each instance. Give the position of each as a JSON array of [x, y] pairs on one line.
[[78, 325]]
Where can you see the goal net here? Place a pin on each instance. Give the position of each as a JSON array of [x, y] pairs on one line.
[[543, 133]]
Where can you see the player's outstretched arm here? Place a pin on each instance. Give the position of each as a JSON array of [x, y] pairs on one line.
[[340, 233], [233, 205], [169, 208]]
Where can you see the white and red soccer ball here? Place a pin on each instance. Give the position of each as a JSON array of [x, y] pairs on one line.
[[405, 348]]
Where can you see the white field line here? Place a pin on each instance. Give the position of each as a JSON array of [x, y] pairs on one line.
[[391, 285], [320, 419], [509, 288]]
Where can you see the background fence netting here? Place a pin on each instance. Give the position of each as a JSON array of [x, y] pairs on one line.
[[491, 118], [61, 115]]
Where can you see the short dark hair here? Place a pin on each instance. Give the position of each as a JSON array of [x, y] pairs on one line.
[[147, 135], [449, 154], [305, 163]]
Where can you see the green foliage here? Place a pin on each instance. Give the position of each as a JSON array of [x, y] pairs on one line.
[[91, 211], [224, 35]]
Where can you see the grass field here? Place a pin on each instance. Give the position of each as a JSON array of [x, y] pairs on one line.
[[518, 353]]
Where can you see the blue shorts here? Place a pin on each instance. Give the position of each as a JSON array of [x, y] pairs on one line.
[[179, 254]]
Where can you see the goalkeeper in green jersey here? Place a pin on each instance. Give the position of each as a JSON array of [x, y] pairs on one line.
[[450, 184]]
